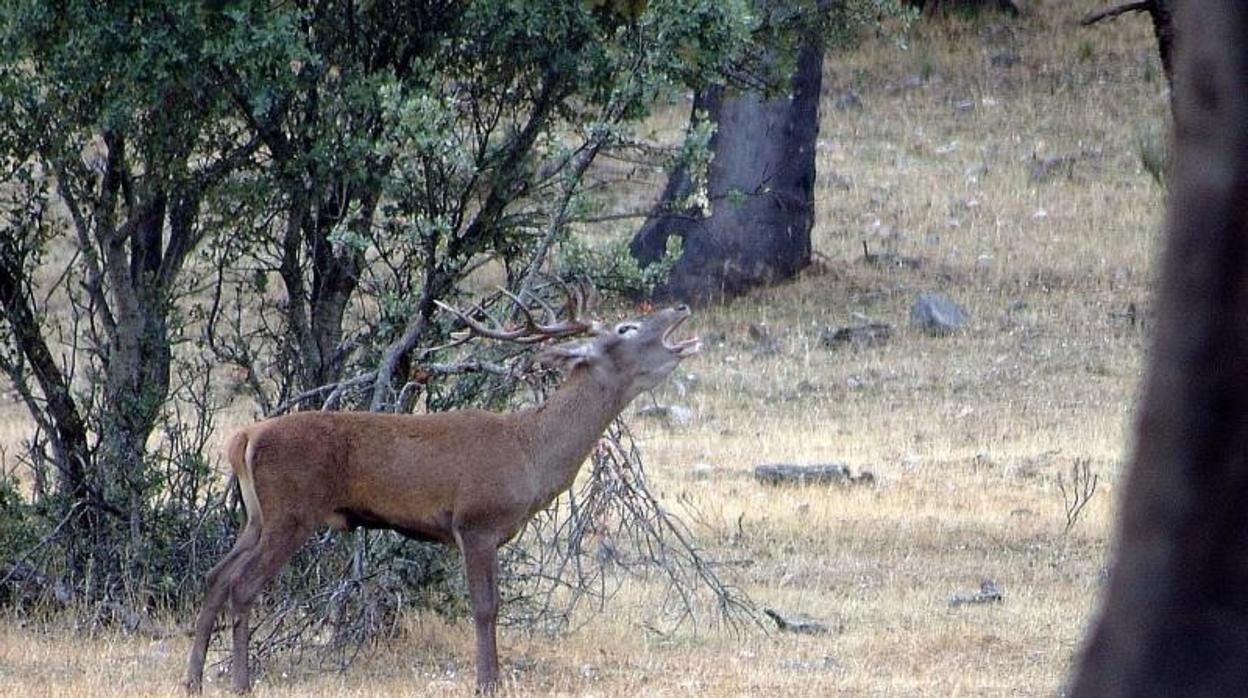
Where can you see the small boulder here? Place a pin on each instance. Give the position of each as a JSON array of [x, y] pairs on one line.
[[870, 334], [702, 471], [765, 343], [936, 314], [797, 624], [674, 415], [988, 593], [819, 474], [1005, 59], [847, 100]]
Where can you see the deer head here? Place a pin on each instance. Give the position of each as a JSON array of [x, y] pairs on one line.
[[635, 355]]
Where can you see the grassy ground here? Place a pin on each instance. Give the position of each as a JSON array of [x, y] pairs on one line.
[[1020, 191]]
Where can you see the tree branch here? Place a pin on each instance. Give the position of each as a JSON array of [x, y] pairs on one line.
[[1112, 12]]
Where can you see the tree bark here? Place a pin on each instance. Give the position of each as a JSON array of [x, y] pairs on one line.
[[1174, 618], [761, 185]]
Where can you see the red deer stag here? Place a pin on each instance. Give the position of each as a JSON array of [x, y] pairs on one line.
[[469, 477]]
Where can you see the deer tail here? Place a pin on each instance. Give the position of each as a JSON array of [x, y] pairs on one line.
[[241, 452]]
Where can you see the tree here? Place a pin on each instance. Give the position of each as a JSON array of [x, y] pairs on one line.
[[759, 184], [1173, 616], [116, 163], [285, 191]]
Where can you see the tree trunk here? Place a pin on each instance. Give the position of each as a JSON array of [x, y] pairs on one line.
[[1163, 28], [761, 185], [314, 314], [1174, 619]]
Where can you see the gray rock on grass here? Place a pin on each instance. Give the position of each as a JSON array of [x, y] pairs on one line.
[[988, 592], [936, 314], [818, 474], [673, 415]]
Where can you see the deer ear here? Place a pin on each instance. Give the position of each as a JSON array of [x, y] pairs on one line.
[[567, 356]]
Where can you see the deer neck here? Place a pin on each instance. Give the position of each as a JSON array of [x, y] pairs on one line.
[[567, 425]]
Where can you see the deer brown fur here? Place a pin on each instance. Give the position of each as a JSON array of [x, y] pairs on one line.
[[469, 477]]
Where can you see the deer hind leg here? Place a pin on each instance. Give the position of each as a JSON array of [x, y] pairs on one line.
[[217, 592], [252, 571], [481, 567]]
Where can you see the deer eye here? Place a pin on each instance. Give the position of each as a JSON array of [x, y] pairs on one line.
[[625, 330]]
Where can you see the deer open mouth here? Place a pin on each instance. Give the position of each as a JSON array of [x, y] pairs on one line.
[[686, 347]]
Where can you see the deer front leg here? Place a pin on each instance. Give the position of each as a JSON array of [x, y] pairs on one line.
[[481, 567]]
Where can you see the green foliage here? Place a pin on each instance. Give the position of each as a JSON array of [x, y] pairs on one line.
[[611, 267], [846, 20], [695, 156], [17, 534]]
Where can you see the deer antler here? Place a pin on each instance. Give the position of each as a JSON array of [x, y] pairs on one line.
[[531, 332]]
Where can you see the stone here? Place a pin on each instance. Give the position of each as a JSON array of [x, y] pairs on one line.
[[674, 415], [818, 474], [871, 334], [936, 314], [847, 100], [1005, 59], [988, 593], [797, 624]]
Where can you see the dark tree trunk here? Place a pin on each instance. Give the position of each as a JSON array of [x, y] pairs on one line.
[[1163, 28], [761, 185], [1174, 619], [314, 313], [59, 414], [650, 243]]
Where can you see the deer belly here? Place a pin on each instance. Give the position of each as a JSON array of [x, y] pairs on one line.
[[435, 529]]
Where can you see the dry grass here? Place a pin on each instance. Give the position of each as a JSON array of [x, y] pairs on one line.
[[965, 434]]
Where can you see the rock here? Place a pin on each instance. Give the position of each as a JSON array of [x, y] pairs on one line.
[[871, 334], [847, 100], [1047, 168], [827, 663], [820, 474], [1005, 59], [702, 471], [675, 415], [797, 624], [764, 341], [936, 314], [988, 593], [889, 259]]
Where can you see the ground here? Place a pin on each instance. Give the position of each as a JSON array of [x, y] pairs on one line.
[[998, 161]]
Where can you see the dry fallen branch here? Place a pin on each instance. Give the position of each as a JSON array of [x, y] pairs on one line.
[[609, 530]]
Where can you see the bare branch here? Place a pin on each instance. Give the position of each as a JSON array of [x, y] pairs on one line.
[[1112, 12]]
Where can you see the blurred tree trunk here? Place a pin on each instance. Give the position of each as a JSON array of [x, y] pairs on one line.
[[761, 186], [1174, 618]]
